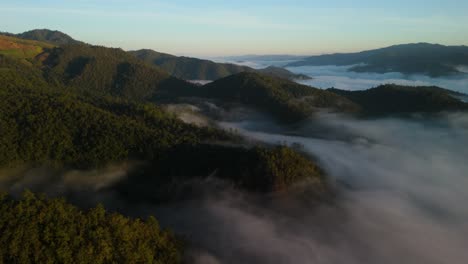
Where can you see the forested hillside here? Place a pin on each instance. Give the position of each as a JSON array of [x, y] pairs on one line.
[[286, 100], [108, 71], [39, 230]]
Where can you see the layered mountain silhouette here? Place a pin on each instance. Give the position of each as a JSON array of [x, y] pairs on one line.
[[421, 58], [197, 69]]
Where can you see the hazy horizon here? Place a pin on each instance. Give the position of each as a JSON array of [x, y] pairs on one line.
[[213, 28]]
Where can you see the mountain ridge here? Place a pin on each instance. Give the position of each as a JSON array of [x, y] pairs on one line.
[[416, 58], [189, 68]]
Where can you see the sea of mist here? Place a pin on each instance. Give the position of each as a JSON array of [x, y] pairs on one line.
[[340, 77], [401, 188]]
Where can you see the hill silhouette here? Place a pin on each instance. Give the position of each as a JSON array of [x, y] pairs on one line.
[[420, 58]]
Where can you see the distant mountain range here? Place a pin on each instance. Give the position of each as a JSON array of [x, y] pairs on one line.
[[181, 67], [421, 58], [197, 69], [101, 71]]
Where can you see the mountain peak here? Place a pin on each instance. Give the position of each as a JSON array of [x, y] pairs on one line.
[[52, 36]]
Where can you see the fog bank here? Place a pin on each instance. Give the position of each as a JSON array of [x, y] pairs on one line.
[[401, 199], [339, 77]]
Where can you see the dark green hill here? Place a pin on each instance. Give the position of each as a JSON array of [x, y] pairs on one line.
[[196, 69], [50, 128], [39, 126], [92, 69], [396, 99], [51, 36], [286, 100], [108, 71], [421, 58]]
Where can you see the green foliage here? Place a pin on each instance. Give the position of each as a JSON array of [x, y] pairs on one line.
[[396, 99], [39, 230], [257, 169], [18, 73], [106, 71], [41, 126]]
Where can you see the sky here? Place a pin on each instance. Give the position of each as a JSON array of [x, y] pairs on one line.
[[220, 28]]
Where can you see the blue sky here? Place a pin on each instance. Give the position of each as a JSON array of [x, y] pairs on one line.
[[213, 28]]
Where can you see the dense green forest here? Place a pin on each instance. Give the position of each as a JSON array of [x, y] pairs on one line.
[[258, 169], [421, 58], [45, 126], [108, 71], [196, 69], [57, 129], [395, 99], [35, 229]]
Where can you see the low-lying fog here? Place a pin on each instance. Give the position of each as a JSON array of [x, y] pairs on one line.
[[402, 198], [339, 77]]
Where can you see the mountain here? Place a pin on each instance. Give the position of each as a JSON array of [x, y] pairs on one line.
[[285, 100], [83, 106], [108, 71], [49, 127], [196, 69], [50, 36], [421, 58], [396, 99]]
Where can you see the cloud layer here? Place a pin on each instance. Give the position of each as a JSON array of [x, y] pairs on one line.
[[403, 187], [339, 77]]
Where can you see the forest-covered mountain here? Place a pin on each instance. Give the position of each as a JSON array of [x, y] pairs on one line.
[[197, 69], [102, 71], [78, 109], [107, 71], [286, 100], [421, 58]]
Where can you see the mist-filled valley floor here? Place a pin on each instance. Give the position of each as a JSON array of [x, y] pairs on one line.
[[341, 77], [401, 187]]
